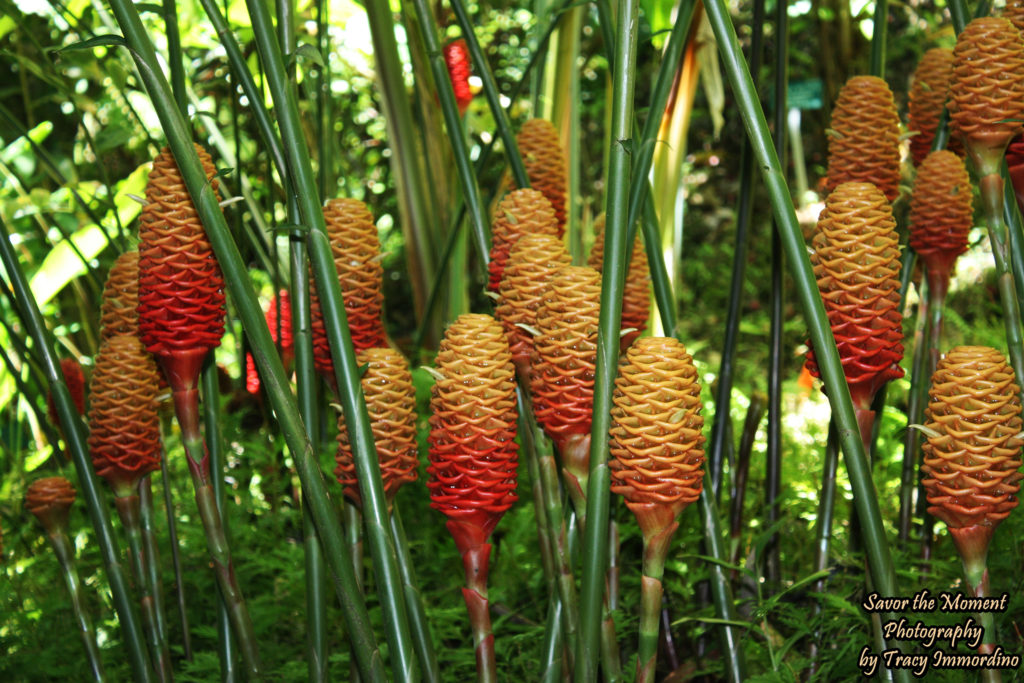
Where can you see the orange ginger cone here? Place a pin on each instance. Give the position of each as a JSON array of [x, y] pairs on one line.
[[520, 212], [391, 404], [636, 295], [356, 250], [562, 369], [541, 149], [119, 311], [971, 469], [657, 453], [929, 89], [533, 260], [473, 455], [864, 143], [856, 260]]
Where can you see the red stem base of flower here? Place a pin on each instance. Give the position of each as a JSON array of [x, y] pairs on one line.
[[471, 541]]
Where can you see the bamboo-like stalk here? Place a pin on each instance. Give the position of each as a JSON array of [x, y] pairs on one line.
[[723, 395], [823, 528], [1015, 226], [74, 436], [151, 558], [880, 30], [865, 497], [65, 553], [422, 640], [595, 549], [915, 411], [251, 313]]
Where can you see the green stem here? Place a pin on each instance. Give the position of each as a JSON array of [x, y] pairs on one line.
[[551, 662], [251, 313], [658, 529], [976, 574], [422, 640], [61, 545], [74, 436], [476, 560], [598, 508], [1011, 209], [920, 379], [823, 528], [152, 563], [880, 27], [992, 203], [174, 55], [172, 534]]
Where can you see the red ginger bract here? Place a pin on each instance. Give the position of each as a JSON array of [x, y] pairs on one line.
[[941, 210], [541, 149], [391, 404], [356, 250], [864, 144], [124, 438], [280, 326], [473, 425], [520, 212], [181, 289], [856, 260], [532, 262], [972, 467], [456, 58], [566, 354]]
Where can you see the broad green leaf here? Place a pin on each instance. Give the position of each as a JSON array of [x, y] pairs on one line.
[[6, 26], [62, 264]]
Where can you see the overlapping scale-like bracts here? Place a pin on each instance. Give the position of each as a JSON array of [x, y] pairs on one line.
[[541, 150], [656, 440], [279, 320], [391, 404], [565, 353], [856, 260], [181, 289], [50, 500], [971, 468], [986, 93], [473, 454], [636, 294], [941, 210], [456, 58], [124, 438], [864, 143], [119, 311], [520, 212], [534, 259], [74, 378], [356, 250], [929, 89]]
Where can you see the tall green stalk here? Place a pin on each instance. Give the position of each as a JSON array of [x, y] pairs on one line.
[[880, 29], [616, 262], [264, 350], [423, 642], [865, 497]]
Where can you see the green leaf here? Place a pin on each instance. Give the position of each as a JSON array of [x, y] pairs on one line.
[[106, 40], [306, 51]]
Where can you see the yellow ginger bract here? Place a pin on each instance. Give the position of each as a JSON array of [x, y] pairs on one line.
[[391, 404], [356, 250], [656, 440], [541, 149], [929, 89], [520, 212], [986, 94], [972, 465], [864, 143], [534, 259], [856, 261], [119, 309], [636, 294]]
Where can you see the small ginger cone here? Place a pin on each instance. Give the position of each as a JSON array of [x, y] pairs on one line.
[[119, 311], [533, 260], [356, 250], [864, 142], [279, 320], [473, 456], [929, 89], [636, 295], [657, 453], [456, 58], [541, 149], [520, 212], [50, 500], [971, 469], [986, 93], [181, 319], [391, 404], [856, 260], [562, 382]]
